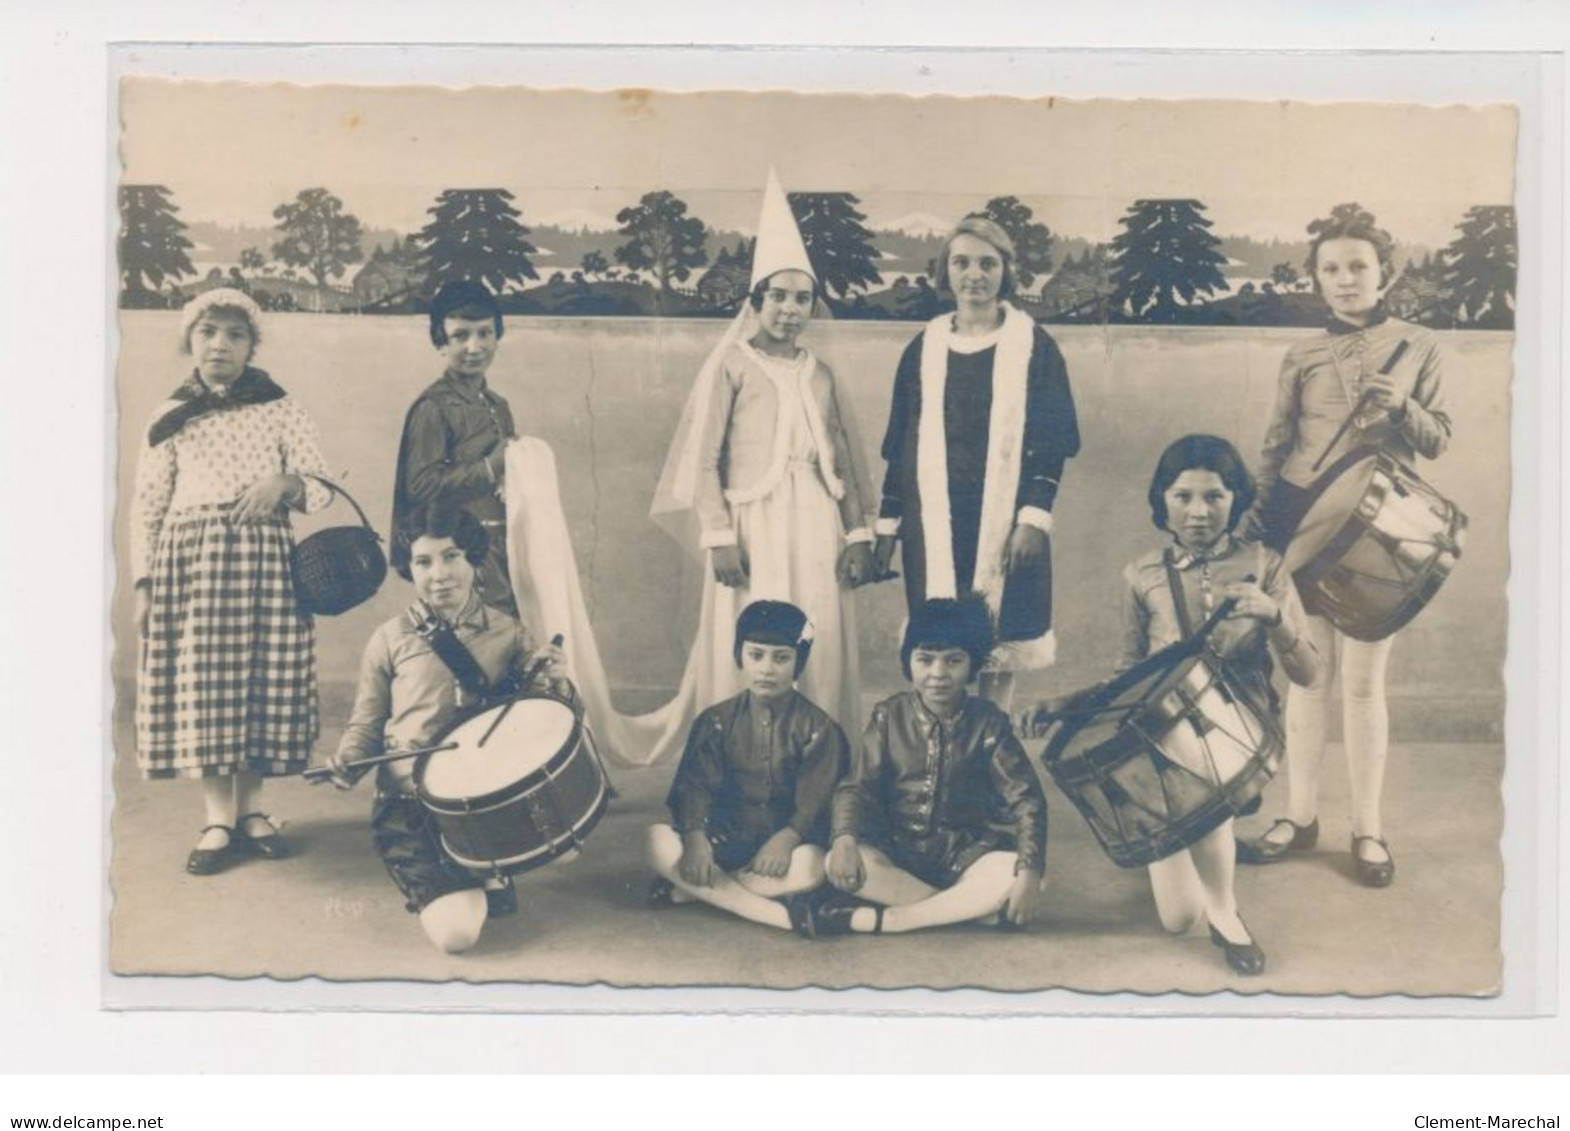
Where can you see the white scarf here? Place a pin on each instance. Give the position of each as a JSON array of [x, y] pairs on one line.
[[792, 380], [1005, 441]]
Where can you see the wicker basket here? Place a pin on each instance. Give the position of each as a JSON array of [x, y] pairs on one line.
[[340, 567]]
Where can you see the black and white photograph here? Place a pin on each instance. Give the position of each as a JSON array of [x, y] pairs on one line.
[[773, 540]]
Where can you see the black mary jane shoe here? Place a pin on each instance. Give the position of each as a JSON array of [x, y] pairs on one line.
[[661, 894], [501, 901], [1373, 873], [1263, 850], [211, 861], [820, 915], [269, 846], [1246, 959]]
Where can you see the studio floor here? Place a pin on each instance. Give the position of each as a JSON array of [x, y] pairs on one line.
[[331, 912]]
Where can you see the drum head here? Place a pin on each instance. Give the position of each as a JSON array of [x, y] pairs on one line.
[[527, 734], [1338, 496]]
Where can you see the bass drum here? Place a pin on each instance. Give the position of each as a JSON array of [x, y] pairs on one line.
[[523, 786]]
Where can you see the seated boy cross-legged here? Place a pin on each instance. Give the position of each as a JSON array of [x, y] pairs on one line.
[[941, 818], [750, 801]]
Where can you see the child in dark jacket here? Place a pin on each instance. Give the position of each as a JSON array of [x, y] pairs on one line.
[[750, 801]]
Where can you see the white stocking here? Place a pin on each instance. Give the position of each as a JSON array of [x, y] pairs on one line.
[[664, 856], [1366, 722]]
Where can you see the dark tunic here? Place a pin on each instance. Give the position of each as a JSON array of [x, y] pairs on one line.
[[748, 772], [938, 794], [450, 430], [1051, 437]]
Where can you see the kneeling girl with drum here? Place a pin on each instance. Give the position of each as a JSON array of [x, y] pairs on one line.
[[1198, 494], [408, 695], [750, 801]]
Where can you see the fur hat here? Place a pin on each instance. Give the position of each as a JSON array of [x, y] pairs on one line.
[[777, 623]]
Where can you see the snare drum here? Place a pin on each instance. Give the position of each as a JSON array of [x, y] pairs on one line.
[[1163, 754], [1374, 546], [523, 786]]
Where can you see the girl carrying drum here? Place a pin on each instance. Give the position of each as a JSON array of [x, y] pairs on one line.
[[407, 695], [1370, 382], [1199, 493]]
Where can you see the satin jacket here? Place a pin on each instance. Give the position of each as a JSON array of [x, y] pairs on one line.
[[451, 430], [914, 774], [755, 770]]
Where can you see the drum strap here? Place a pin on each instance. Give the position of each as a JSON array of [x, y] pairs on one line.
[[451, 651], [1179, 598]]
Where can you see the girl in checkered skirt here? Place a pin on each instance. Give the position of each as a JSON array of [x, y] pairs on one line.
[[226, 686]]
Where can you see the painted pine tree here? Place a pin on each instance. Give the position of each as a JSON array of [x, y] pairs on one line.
[[475, 234], [153, 244], [1480, 268], [1164, 258], [838, 243]]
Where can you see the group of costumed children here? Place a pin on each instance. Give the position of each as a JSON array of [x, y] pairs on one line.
[[933, 815]]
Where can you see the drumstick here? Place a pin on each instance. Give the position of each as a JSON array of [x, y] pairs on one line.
[[528, 678], [1362, 402], [322, 773], [1223, 611]]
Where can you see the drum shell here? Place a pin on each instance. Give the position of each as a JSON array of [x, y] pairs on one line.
[[530, 822], [1106, 781], [1388, 556]]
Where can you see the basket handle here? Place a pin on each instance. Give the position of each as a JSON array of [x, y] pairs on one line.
[[331, 486]]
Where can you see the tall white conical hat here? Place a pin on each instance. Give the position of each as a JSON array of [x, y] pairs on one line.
[[779, 246]]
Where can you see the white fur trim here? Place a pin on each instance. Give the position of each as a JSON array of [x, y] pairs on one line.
[[860, 534], [886, 528], [1005, 440], [1037, 517], [783, 387], [714, 539], [1024, 655]]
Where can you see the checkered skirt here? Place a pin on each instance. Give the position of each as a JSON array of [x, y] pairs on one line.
[[227, 680]]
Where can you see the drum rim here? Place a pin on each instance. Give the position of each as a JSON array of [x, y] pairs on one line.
[[551, 851], [525, 784], [1435, 573], [1177, 658], [1321, 486]]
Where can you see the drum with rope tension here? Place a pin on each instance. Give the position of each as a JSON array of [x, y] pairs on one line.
[[1162, 754], [1374, 545]]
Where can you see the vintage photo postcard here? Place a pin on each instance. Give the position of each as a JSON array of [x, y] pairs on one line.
[[646, 540]]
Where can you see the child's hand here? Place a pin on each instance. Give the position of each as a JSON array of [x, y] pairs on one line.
[[1027, 547], [773, 859], [1252, 601], [730, 566], [1383, 392], [552, 664], [883, 557], [845, 868], [264, 498], [338, 774], [1036, 721], [855, 565], [1019, 906], [696, 866]]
